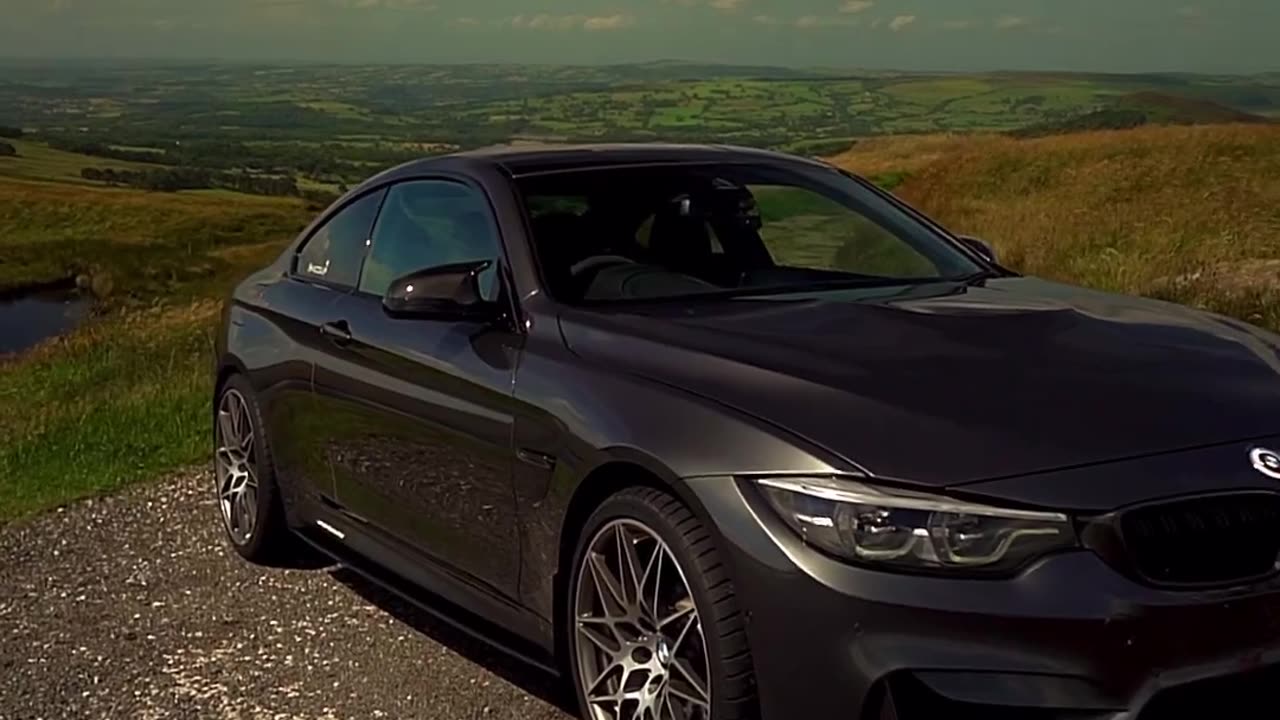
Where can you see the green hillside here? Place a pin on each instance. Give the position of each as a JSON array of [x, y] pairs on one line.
[[1143, 108]]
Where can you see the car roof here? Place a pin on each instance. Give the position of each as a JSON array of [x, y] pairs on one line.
[[529, 159]]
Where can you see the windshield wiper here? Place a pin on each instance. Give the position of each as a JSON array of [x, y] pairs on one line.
[[978, 278], [812, 287]]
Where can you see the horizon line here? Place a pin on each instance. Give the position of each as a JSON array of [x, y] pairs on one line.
[[280, 62]]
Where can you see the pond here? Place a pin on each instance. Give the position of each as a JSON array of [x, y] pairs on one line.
[[27, 319]]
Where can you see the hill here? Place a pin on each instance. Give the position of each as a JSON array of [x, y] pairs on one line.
[[1143, 108], [1164, 109], [154, 246], [1190, 214]]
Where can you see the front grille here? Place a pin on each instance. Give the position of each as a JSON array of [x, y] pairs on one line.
[[1206, 540], [1244, 696]]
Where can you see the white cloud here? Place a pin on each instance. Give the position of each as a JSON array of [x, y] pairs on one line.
[[851, 7], [766, 20], [388, 4], [726, 5], [959, 24], [901, 22], [544, 21], [1010, 22], [610, 22], [810, 22]]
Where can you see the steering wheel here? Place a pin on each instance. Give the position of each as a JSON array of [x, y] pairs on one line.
[[597, 263]]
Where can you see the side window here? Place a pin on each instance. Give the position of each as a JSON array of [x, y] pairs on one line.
[[427, 223], [334, 252], [803, 229]]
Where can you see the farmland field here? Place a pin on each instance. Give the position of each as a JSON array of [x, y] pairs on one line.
[[329, 125]]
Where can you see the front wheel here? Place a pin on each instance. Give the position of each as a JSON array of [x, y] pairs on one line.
[[655, 629]]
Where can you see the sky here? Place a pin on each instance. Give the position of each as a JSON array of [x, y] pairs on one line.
[[1225, 36]]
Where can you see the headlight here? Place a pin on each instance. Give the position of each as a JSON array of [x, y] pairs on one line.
[[904, 530]]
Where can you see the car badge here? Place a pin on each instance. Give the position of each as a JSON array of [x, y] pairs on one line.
[[1266, 462]]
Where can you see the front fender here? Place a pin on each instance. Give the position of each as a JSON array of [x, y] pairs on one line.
[[604, 430]]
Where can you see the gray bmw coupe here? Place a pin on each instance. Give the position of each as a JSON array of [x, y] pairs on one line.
[[718, 433]]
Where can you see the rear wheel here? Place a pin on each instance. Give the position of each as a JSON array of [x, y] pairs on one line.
[[248, 500], [655, 629]]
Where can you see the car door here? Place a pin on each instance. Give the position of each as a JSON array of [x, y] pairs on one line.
[[325, 268], [419, 411]]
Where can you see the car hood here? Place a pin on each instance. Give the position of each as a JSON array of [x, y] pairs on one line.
[[945, 384]]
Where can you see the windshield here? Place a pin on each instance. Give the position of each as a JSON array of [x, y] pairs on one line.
[[653, 233]]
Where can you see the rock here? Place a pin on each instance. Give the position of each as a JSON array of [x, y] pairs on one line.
[[102, 285]]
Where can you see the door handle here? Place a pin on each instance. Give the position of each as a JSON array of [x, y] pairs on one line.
[[539, 460], [339, 333]]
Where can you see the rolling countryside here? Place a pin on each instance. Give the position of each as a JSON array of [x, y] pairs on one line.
[[153, 188]]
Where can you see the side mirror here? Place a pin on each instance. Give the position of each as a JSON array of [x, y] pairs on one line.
[[979, 246], [446, 292]]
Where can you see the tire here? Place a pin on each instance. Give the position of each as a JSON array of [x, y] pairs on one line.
[[266, 539], [636, 662]]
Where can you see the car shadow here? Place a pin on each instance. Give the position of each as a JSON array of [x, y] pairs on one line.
[[532, 680], [297, 555]]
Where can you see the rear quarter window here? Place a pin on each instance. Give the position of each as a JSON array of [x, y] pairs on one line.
[[334, 252]]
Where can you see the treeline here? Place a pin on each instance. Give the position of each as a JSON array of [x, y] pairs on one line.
[[1104, 119], [12, 133], [174, 179], [329, 162]]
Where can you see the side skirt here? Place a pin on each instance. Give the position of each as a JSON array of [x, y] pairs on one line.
[[492, 621]]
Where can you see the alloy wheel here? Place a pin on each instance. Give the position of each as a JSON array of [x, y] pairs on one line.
[[237, 471], [638, 637]]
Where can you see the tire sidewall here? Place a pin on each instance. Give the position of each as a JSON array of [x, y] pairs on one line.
[[256, 546], [631, 507]]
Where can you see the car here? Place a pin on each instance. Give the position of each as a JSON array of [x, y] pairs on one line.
[[718, 433]]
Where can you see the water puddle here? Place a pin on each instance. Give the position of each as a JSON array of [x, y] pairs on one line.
[[27, 319]]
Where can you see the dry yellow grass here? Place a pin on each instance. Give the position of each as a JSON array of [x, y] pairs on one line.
[[1190, 214], [907, 153], [42, 211]]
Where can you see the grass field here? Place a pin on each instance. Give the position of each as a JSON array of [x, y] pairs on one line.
[[149, 245], [126, 396], [36, 161], [1190, 214]]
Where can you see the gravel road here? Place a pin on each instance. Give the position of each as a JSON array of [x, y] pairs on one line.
[[133, 607]]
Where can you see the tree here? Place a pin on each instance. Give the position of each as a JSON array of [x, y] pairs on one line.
[[7, 150], [10, 132]]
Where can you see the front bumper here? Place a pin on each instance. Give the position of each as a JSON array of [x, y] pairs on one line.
[[1069, 637]]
